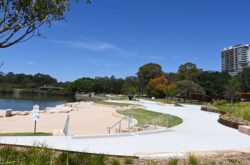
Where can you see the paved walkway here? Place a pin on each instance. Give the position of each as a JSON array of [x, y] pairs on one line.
[[200, 131]]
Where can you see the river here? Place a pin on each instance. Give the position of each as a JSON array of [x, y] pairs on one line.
[[26, 102]]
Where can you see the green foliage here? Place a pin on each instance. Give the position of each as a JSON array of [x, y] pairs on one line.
[[170, 90], [113, 103], [188, 71], [220, 102], [131, 91], [193, 160], [147, 72], [213, 83], [173, 161], [21, 20], [187, 87], [144, 116], [41, 155], [10, 154], [128, 160], [98, 160], [115, 161], [238, 109], [232, 87], [244, 78], [38, 156]]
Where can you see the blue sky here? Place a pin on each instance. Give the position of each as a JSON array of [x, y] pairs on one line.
[[116, 37]]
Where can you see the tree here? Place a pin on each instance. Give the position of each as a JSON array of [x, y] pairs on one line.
[[156, 87], [170, 90], [187, 87], [213, 83], [147, 72], [244, 78], [20, 20], [231, 88], [188, 71], [130, 91]]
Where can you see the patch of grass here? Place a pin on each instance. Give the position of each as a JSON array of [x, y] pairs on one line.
[[173, 161], [115, 161], [98, 160], [241, 109], [26, 134], [113, 103], [144, 116], [193, 159], [128, 160]]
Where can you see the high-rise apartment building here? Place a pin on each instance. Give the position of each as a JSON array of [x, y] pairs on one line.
[[235, 58]]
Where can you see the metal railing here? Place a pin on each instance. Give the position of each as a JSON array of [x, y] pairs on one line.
[[154, 121], [129, 118]]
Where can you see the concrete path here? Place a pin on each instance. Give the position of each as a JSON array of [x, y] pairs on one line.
[[200, 131]]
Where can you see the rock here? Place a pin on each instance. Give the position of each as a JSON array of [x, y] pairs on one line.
[[22, 113], [244, 129], [6, 112]]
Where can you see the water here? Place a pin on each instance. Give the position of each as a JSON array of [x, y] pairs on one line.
[[26, 102]]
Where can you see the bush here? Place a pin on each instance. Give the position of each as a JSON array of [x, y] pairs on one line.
[[220, 102], [115, 161], [38, 156], [173, 161], [128, 160], [10, 154], [98, 160], [193, 160]]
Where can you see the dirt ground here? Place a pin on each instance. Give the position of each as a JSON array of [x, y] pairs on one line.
[[85, 119]]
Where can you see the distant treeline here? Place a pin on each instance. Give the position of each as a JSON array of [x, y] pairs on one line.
[[29, 83], [150, 80]]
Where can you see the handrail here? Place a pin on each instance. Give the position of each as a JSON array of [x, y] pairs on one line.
[[129, 117], [154, 121]]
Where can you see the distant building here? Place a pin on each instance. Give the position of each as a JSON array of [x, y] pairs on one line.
[[235, 58]]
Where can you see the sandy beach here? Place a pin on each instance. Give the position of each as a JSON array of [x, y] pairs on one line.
[[86, 118]]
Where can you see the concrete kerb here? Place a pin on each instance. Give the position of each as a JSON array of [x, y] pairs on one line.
[[121, 134]]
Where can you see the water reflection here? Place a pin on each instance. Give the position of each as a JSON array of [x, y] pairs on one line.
[[26, 102]]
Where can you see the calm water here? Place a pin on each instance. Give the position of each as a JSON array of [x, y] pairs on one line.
[[26, 102]]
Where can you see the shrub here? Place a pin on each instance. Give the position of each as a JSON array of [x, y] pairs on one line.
[[38, 156], [193, 160], [173, 161], [220, 102], [98, 160], [128, 160], [10, 154], [115, 161]]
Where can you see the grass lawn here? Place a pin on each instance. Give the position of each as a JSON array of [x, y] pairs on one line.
[[241, 109], [144, 116], [113, 104], [26, 134]]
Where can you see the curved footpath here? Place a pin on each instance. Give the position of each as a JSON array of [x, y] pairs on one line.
[[199, 131]]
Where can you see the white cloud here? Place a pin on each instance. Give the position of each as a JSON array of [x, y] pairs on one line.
[[31, 63], [96, 46]]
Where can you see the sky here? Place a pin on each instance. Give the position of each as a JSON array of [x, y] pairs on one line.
[[116, 37]]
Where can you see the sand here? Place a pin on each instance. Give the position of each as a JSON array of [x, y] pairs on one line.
[[85, 119]]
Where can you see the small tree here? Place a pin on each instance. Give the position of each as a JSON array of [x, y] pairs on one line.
[[156, 87], [170, 90], [187, 87], [231, 88]]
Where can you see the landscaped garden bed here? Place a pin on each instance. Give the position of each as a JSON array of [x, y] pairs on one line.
[[232, 115]]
